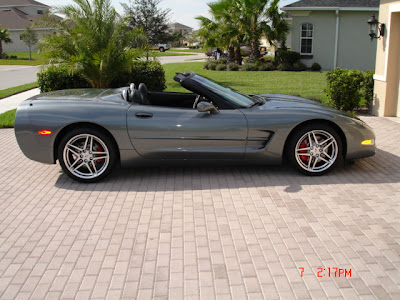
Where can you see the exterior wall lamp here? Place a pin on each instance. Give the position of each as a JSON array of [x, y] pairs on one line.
[[376, 29]]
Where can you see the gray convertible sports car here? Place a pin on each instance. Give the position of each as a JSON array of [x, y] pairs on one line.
[[91, 130]]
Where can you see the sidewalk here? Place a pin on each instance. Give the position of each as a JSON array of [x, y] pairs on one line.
[[12, 102]]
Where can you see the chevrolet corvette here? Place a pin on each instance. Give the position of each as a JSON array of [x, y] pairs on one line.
[[90, 131]]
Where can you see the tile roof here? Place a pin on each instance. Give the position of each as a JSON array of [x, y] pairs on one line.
[[13, 18], [11, 3], [180, 26], [335, 3]]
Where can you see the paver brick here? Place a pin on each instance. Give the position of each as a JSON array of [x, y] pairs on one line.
[[202, 232]]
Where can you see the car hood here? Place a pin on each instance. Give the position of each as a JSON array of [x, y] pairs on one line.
[[278, 101]]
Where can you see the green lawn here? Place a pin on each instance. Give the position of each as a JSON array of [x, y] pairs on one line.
[[304, 84], [18, 89], [23, 59], [7, 119]]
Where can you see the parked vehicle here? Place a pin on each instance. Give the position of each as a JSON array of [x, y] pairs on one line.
[[162, 47], [89, 131]]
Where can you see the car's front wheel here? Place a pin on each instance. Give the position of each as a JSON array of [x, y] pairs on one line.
[[314, 149], [162, 49], [86, 155]]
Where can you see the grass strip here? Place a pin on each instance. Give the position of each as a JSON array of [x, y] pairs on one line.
[[18, 89], [7, 119]]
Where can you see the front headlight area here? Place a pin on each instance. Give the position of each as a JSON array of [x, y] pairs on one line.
[[370, 142]]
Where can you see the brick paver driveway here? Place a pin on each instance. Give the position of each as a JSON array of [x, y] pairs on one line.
[[217, 232]]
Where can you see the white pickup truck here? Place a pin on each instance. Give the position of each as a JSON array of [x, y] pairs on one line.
[[162, 47]]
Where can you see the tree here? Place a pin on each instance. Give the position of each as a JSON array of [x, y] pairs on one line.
[[253, 23], [90, 41], [29, 37], [4, 37], [278, 28], [223, 28], [147, 15]]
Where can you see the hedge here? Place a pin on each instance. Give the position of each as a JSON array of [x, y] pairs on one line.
[[58, 77]]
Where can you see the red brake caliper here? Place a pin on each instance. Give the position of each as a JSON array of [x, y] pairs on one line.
[[303, 157], [99, 149]]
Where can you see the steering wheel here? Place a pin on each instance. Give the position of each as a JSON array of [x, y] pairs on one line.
[[196, 101]]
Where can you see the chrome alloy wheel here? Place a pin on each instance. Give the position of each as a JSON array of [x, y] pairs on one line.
[[316, 151], [86, 156]]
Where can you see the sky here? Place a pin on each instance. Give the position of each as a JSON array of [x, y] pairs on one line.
[[182, 11]]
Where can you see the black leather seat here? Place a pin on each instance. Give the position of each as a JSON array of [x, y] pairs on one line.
[[135, 97], [144, 93]]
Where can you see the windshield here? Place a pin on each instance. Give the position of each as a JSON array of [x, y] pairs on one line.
[[227, 94]]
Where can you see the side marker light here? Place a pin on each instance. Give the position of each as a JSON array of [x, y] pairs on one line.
[[368, 142], [45, 132]]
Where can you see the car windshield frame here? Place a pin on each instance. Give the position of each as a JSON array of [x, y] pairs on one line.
[[232, 96]]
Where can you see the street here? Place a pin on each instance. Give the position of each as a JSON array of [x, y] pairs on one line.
[[11, 76]]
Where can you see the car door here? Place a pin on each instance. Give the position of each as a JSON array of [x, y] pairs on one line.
[[159, 132]]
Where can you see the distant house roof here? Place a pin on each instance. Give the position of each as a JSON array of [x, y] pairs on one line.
[[13, 18], [13, 3], [179, 26], [333, 4]]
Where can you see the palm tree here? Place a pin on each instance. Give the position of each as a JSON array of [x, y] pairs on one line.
[[4, 37], [222, 29], [90, 41], [253, 23], [278, 28]]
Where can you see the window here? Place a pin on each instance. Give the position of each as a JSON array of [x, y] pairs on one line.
[[40, 12], [306, 39]]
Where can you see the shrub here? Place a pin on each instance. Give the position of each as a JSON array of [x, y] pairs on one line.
[[368, 88], [344, 88], [57, 77], [270, 67], [151, 73], [222, 61], [316, 67], [284, 67], [212, 66], [299, 66], [221, 67], [233, 67], [262, 67], [249, 67], [287, 56]]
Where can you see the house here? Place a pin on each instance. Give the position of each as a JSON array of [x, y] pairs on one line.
[[333, 33], [183, 29], [186, 31], [387, 71], [16, 15]]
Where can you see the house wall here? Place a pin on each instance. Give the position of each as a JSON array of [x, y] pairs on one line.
[[387, 74], [324, 36], [355, 50], [18, 45]]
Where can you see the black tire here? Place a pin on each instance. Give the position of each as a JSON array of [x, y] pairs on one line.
[[162, 49], [90, 156], [319, 158]]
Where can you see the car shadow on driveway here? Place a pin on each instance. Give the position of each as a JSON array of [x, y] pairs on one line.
[[382, 168]]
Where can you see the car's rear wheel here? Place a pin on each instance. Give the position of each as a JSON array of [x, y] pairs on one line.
[[314, 149], [86, 154], [162, 49]]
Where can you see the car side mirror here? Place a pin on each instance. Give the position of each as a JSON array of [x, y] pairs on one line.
[[207, 107]]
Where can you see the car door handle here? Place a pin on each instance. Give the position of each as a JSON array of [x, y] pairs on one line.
[[143, 115]]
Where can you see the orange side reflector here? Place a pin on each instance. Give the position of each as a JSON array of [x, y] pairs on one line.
[[45, 132]]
